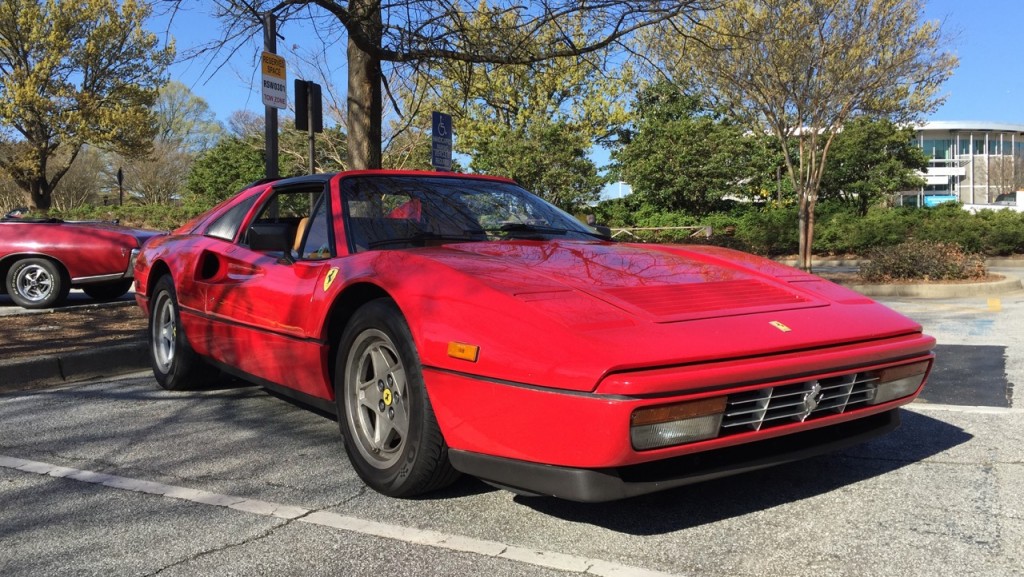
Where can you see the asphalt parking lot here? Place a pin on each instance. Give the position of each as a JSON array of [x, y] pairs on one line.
[[117, 477]]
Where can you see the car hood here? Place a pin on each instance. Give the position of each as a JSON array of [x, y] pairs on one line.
[[571, 312], [140, 234], [659, 284]]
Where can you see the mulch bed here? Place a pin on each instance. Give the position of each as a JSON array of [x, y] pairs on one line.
[[41, 333]]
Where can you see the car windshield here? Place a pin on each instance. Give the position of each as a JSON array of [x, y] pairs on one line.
[[410, 211]]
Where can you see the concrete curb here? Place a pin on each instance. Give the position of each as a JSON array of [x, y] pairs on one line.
[[1001, 262], [939, 291], [49, 370]]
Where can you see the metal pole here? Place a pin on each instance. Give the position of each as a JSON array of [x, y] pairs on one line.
[[309, 125], [270, 122]]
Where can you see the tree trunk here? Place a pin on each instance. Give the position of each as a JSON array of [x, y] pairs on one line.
[[40, 195], [39, 189], [802, 226], [365, 99]]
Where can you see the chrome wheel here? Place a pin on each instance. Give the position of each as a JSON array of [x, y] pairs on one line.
[[34, 283], [37, 283], [165, 332], [376, 396]]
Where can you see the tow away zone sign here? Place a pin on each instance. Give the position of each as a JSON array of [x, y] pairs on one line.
[[275, 87]]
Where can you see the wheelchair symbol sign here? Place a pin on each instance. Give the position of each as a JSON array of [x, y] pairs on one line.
[[442, 125], [441, 141]]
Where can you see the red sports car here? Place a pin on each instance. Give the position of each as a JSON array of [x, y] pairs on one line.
[[42, 259], [458, 323]]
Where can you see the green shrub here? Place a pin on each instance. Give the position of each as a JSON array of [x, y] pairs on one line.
[[922, 260], [154, 216]]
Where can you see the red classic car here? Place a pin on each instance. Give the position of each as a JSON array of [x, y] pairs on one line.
[[459, 324], [42, 259]]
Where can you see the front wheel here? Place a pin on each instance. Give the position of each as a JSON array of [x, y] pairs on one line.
[[175, 365], [391, 434], [37, 283]]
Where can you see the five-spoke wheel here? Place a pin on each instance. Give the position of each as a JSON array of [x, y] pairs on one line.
[[391, 434], [175, 365]]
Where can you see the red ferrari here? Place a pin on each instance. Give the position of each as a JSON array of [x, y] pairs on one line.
[[42, 259], [459, 324]]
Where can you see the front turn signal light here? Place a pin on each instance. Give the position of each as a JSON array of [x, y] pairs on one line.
[[899, 381], [675, 424]]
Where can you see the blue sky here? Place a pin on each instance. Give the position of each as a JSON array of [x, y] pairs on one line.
[[988, 85]]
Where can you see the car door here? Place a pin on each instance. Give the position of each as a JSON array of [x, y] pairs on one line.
[[265, 307]]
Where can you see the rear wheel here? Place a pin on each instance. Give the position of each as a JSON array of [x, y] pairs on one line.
[[175, 365], [37, 283], [391, 434], [107, 291]]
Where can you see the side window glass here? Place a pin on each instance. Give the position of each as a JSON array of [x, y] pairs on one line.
[[226, 226], [317, 244], [284, 221]]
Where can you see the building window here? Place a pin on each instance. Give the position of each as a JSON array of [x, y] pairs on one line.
[[937, 149]]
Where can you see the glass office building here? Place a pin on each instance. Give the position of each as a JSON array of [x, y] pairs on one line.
[[973, 162]]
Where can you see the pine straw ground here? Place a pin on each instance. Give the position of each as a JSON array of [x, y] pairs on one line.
[[53, 331]]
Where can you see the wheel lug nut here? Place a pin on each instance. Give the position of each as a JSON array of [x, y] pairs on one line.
[[380, 405], [391, 414], [380, 385], [391, 381]]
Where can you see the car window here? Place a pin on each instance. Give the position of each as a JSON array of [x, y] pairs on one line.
[[293, 208], [395, 212], [317, 243], [226, 226]]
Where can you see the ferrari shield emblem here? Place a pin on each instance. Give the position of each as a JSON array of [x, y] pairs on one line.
[[780, 326], [329, 279]]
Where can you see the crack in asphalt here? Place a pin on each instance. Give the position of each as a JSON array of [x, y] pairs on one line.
[[263, 535], [226, 547]]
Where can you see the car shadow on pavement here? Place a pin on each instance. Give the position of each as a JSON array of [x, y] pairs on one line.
[[918, 438]]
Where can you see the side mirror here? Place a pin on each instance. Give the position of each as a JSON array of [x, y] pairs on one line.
[[603, 231], [272, 237]]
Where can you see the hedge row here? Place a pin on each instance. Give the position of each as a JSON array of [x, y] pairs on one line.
[[840, 230]]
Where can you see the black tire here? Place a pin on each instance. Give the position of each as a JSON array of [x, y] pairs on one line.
[[175, 365], [37, 283], [108, 291], [391, 434]]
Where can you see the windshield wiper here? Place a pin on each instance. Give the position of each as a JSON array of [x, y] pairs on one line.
[[522, 228], [420, 237]]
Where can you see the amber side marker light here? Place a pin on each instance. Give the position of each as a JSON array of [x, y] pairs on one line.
[[463, 351], [898, 381], [675, 424]]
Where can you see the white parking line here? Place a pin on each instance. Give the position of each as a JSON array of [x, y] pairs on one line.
[[977, 410], [427, 538]]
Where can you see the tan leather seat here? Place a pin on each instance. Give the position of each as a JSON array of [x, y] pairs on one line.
[[299, 233]]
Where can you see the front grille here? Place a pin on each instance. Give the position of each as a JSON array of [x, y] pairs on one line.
[[797, 402]]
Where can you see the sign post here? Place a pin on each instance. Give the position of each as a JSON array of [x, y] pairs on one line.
[[275, 92], [441, 142], [309, 114]]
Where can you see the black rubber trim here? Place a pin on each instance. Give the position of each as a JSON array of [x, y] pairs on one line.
[[598, 485]]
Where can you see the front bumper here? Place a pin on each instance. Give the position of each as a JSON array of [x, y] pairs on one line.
[[608, 484], [578, 445]]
